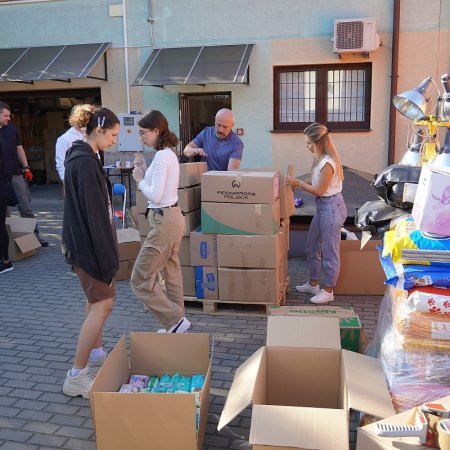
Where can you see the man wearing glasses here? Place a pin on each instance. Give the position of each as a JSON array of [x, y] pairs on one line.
[[219, 146]]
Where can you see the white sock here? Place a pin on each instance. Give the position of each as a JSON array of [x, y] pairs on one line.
[[74, 372], [96, 354]]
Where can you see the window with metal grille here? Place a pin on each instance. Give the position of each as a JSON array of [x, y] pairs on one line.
[[336, 95]]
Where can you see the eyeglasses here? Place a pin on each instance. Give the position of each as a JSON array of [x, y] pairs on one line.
[[142, 132]]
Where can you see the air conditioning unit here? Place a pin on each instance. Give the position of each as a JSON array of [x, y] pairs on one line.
[[355, 35]]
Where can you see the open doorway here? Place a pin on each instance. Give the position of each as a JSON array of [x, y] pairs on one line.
[[197, 111]]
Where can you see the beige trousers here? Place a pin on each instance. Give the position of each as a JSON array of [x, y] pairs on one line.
[[159, 253]]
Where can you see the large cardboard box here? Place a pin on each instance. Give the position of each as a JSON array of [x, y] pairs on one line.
[[287, 207], [368, 439], [240, 187], [302, 386], [184, 254], [250, 285], [257, 251], [352, 337], [188, 273], [128, 243], [189, 198], [240, 218], [206, 284], [190, 173], [125, 269], [430, 209], [361, 272], [203, 248], [22, 240], [140, 421]]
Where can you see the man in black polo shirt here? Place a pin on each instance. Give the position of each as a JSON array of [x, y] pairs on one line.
[[21, 171]]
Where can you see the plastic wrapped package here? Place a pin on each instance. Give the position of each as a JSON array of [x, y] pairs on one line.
[[430, 299], [409, 276], [406, 244], [414, 376]]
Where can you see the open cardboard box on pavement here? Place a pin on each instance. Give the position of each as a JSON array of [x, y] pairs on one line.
[[368, 439], [140, 421], [22, 240], [302, 386]]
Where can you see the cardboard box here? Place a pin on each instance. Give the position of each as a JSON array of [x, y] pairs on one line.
[[192, 219], [361, 271], [240, 218], [367, 438], [250, 285], [257, 251], [240, 186], [190, 173], [125, 269], [140, 421], [203, 248], [430, 209], [287, 207], [188, 273], [190, 198], [141, 202], [128, 243], [184, 254], [349, 323], [206, 284], [22, 240], [302, 386]]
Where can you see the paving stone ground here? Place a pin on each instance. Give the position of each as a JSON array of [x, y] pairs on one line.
[[41, 309]]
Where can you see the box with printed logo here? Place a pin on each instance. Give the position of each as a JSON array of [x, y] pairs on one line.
[[203, 248], [206, 284], [240, 187]]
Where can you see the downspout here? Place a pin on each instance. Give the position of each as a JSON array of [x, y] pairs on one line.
[[125, 44], [151, 21], [394, 79]]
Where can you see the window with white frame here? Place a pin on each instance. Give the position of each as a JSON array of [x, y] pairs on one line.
[[337, 95]]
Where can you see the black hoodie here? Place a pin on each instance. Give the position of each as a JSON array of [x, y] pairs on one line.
[[88, 236]]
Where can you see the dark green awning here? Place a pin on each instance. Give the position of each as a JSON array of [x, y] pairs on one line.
[[57, 62], [214, 64]]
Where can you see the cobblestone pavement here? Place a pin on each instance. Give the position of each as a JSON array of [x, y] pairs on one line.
[[41, 309]]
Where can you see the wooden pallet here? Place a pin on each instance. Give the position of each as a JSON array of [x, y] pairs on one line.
[[215, 307]]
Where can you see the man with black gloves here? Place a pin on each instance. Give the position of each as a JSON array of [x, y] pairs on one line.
[[22, 174]]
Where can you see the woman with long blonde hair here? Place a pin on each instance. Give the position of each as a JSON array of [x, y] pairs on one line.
[[324, 235]]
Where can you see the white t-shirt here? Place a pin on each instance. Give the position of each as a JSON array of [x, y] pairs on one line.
[[335, 185], [160, 183], [63, 143]]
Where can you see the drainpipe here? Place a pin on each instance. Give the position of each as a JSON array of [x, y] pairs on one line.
[[125, 44], [151, 21], [394, 79]]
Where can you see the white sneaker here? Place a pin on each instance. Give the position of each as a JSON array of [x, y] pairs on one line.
[[78, 385], [98, 362], [322, 297], [308, 289], [181, 327]]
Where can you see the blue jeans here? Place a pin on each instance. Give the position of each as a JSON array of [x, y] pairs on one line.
[[23, 195], [324, 239]]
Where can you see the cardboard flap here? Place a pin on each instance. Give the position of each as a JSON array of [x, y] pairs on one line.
[[241, 391], [153, 352], [21, 224], [294, 427], [316, 332], [366, 384], [27, 242]]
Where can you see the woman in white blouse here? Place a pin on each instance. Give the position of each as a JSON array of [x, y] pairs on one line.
[[159, 252], [324, 235]]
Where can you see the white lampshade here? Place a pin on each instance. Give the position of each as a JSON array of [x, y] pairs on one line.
[[413, 104]]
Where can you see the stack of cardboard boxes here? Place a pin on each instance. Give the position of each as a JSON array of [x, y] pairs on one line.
[[242, 246], [128, 245]]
